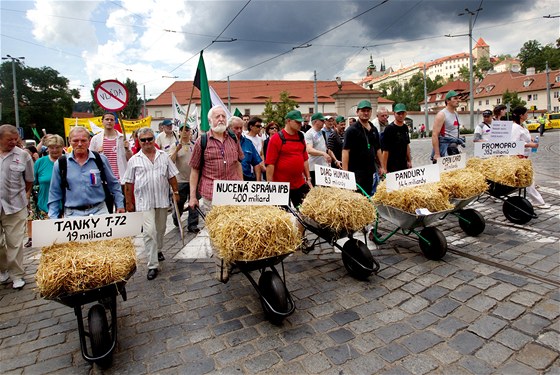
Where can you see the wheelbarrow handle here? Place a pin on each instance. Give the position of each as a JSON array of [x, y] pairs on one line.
[[197, 208]]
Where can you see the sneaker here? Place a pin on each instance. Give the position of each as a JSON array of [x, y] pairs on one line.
[[18, 283], [4, 277], [544, 206], [193, 229], [29, 243]]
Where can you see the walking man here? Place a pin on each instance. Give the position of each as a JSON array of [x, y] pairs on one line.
[[252, 162], [361, 151], [16, 181], [336, 141], [316, 142], [446, 126], [149, 175], [396, 143]]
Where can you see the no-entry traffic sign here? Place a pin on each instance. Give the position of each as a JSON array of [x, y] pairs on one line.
[[111, 95]]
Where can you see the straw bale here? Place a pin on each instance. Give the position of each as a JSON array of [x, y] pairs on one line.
[[341, 210], [431, 196], [71, 267], [463, 183], [251, 232], [506, 170]]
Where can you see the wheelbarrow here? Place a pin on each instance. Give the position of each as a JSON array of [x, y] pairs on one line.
[[276, 301], [470, 220], [356, 256], [516, 208], [102, 335], [432, 241]]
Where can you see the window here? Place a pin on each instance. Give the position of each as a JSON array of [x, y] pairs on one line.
[[487, 102], [498, 101], [557, 78], [247, 112], [311, 110], [480, 102], [529, 97], [556, 109], [535, 96], [557, 94], [527, 82]]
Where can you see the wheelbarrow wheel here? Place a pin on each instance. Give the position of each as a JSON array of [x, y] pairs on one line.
[[356, 254], [471, 222], [99, 335], [273, 291], [433, 244], [518, 210]]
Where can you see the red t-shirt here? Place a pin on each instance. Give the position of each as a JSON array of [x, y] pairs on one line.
[[288, 159]]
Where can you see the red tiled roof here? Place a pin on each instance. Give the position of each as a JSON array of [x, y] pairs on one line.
[[481, 43], [458, 86], [258, 91], [514, 82], [441, 60]]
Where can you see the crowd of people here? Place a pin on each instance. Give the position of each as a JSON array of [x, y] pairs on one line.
[[107, 172]]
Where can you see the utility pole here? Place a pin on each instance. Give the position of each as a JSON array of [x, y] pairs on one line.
[[547, 88], [228, 96], [315, 91], [425, 100], [16, 106], [144, 110], [471, 78]]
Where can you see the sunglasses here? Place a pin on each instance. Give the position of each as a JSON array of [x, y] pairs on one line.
[[144, 140], [258, 126], [273, 128]]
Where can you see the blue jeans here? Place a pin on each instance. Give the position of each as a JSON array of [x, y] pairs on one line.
[[375, 183]]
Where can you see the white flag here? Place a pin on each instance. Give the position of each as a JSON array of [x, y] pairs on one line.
[[94, 128], [179, 113], [217, 101]]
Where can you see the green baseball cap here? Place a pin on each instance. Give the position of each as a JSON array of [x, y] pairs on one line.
[[400, 107], [318, 116], [364, 104], [450, 94], [340, 119], [294, 115]]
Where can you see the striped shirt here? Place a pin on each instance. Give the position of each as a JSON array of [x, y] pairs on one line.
[[151, 180], [110, 151], [16, 168]]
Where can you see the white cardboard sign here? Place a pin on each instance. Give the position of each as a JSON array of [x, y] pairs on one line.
[[327, 176], [250, 193], [500, 131], [111, 95], [451, 163], [86, 228], [488, 149], [412, 177]]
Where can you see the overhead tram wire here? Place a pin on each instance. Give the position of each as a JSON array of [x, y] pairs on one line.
[[307, 43], [215, 39], [476, 15]]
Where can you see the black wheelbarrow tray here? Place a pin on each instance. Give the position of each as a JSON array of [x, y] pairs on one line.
[[102, 335], [356, 256], [276, 301], [516, 208]]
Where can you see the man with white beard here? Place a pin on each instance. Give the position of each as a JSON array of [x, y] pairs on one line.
[[221, 159], [216, 155]]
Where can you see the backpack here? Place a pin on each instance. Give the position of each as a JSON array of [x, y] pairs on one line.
[[301, 138], [63, 169]]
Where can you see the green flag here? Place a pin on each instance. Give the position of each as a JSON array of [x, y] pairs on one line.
[[201, 83], [36, 134], [237, 113]]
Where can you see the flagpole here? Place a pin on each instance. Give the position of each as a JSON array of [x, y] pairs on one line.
[[189, 105]]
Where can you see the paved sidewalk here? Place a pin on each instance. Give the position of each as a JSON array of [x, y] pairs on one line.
[[497, 313]]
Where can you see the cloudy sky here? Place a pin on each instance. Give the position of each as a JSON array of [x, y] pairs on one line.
[[147, 40]]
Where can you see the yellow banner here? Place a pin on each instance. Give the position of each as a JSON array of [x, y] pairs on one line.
[[95, 124]]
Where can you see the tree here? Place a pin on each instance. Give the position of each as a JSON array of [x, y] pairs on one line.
[[44, 98], [410, 93], [529, 54], [464, 73], [133, 107], [483, 64], [512, 99], [277, 111]]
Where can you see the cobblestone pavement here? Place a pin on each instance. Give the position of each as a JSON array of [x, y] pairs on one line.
[[491, 306]]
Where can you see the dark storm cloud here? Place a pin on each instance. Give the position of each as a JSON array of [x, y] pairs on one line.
[[265, 29]]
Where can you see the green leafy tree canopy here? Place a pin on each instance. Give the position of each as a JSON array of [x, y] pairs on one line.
[[277, 111], [44, 98]]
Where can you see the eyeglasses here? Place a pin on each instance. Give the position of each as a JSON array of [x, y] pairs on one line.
[[258, 126], [144, 140], [273, 128]]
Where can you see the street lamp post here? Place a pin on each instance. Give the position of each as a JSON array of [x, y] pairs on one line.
[[471, 79], [16, 107]]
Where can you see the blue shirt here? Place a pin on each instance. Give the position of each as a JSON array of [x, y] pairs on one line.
[[84, 185], [251, 158]]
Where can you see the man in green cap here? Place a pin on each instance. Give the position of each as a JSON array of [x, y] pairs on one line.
[[336, 141], [396, 143], [362, 148], [287, 158], [446, 126]]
